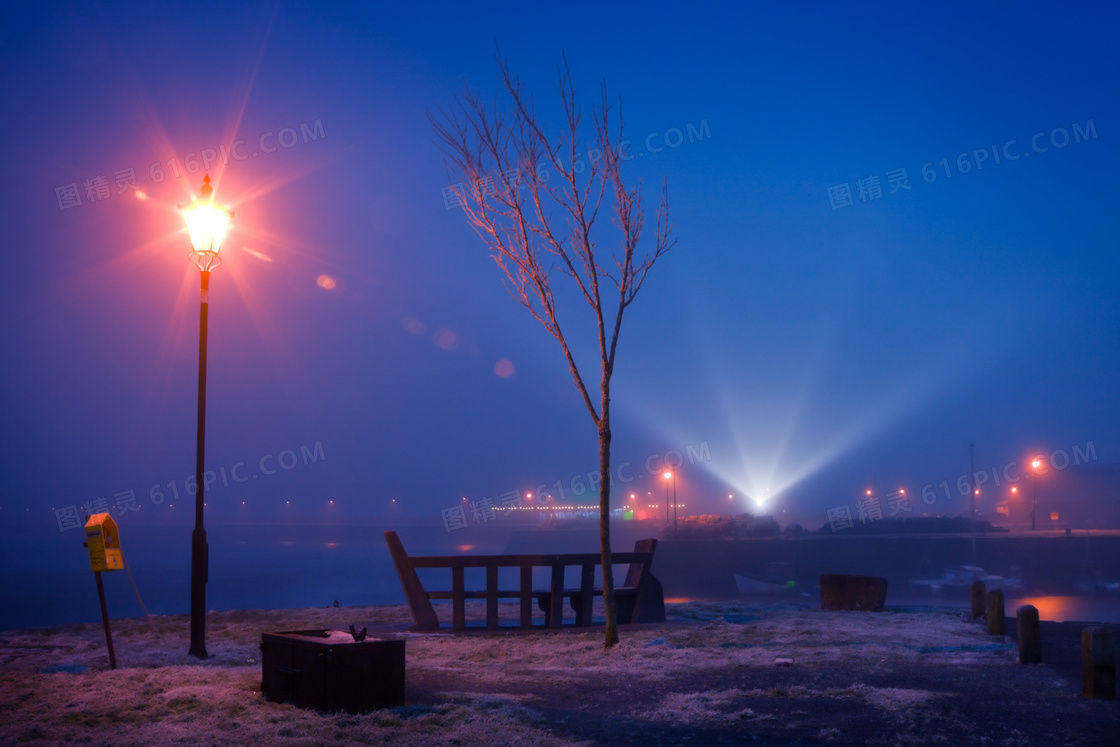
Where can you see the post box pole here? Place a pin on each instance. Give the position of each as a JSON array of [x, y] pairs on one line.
[[105, 620]]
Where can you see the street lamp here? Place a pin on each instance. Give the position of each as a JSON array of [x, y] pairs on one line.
[[206, 224], [1036, 465], [671, 475]]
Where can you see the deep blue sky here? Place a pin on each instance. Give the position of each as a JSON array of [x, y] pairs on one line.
[[813, 349]]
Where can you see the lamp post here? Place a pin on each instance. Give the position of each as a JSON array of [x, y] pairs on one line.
[[975, 492], [671, 475], [1036, 465], [206, 225]]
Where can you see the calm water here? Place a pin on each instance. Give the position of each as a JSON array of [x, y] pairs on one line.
[[46, 578]]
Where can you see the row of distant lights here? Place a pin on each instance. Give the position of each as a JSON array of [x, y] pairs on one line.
[[206, 505], [1036, 465], [286, 503]]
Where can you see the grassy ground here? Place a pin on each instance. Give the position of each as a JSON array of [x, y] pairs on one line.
[[905, 676]]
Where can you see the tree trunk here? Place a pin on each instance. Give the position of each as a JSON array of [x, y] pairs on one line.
[[605, 518]]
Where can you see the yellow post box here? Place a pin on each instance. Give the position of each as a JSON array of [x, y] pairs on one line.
[[104, 543]]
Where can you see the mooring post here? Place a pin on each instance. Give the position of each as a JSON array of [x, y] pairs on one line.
[[977, 599], [1098, 663], [995, 612], [1030, 635]]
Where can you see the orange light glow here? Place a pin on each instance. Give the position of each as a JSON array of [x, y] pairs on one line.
[[1059, 609], [465, 548], [140, 195], [206, 223], [1036, 463], [1014, 490], [668, 475], [1053, 516], [326, 282], [869, 492]]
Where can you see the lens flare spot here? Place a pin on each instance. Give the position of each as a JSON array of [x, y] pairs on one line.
[[446, 339], [254, 253], [140, 195], [326, 282], [415, 326], [504, 368]]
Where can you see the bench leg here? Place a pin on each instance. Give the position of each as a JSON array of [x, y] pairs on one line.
[[458, 613], [586, 599], [527, 597], [492, 597], [555, 615]]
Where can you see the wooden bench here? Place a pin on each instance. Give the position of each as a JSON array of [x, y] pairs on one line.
[[639, 599]]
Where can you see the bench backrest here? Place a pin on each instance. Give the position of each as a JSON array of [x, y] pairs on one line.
[[638, 575], [636, 570], [423, 615]]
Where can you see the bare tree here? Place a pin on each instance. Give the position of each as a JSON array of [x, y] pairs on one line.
[[534, 201]]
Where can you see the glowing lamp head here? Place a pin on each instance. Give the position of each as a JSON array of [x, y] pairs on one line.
[[1036, 463], [206, 222], [667, 475]]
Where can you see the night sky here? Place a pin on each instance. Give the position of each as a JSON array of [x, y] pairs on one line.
[[897, 236]]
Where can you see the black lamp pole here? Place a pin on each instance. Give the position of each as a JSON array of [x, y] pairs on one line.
[[1034, 501], [200, 550], [207, 225]]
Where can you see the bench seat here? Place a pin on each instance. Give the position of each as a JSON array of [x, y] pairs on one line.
[[638, 599]]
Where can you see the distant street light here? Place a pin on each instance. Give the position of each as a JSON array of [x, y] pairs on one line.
[[206, 224], [667, 475], [671, 475], [1036, 465], [975, 492]]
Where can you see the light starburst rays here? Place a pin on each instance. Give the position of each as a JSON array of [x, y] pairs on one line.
[[784, 429]]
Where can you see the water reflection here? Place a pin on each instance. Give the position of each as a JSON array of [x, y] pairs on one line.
[[1088, 608]]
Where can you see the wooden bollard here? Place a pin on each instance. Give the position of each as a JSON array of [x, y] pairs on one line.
[[1030, 635], [995, 612], [1098, 663], [977, 599]]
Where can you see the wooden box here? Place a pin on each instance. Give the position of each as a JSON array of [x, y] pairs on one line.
[[329, 671]]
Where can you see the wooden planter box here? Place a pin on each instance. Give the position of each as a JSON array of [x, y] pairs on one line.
[[329, 671]]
